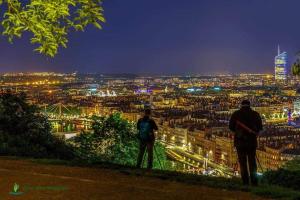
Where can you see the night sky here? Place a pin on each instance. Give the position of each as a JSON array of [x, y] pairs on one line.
[[172, 37]]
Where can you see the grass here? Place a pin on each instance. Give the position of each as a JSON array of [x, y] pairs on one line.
[[276, 192], [264, 190]]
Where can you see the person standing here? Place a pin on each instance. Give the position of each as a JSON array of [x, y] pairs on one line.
[[246, 125], [146, 127]]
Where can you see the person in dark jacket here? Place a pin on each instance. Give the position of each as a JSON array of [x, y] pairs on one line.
[[246, 125], [146, 127]]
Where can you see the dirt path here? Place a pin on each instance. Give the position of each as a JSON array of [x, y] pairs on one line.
[[72, 183]]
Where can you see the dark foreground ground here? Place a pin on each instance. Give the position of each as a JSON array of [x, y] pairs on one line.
[[40, 181]]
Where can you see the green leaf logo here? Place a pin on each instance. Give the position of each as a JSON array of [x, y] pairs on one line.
[[15, 190], [16, 187]]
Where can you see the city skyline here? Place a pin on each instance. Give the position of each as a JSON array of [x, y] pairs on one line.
[[198, 37]]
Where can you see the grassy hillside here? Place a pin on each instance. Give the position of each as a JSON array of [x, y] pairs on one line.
[[264, 190]]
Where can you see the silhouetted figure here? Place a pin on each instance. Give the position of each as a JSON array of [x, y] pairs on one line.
[[246, 124], [146, 127]]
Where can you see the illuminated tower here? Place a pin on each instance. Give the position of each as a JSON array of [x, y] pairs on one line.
[[281, 66]]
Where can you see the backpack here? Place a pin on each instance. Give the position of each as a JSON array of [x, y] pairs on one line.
[[145, 130]]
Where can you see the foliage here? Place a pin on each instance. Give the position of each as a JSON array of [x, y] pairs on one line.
[[287, 176], [24, 132], [49, 21], [293, 165], [113, 140], [284, 178], [296, 68]]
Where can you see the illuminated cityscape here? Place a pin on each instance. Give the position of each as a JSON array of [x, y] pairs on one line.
[[192, 111], [161, 99]]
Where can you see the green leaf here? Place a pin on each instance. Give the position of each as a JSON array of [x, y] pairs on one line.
[[50, 21], [16, 187]]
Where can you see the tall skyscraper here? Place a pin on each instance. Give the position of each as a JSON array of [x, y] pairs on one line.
[[281, 66], [297, 106]]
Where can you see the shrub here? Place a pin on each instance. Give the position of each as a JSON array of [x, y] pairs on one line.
[[24, 132], [113, 139], [287, 176]]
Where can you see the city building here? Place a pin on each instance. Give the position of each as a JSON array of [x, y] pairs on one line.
[[192, 113], [297, 106], [281, 66]]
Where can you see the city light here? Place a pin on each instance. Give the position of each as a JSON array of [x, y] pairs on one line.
[[198, 93]]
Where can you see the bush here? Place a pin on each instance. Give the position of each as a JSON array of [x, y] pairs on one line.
[[114, 140], [287, 176], [283, 177], [24, 132]]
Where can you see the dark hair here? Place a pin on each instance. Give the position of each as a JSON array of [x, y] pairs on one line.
[[245, 103], [147, 111]]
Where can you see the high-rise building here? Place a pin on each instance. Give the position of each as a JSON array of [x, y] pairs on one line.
[[281, 66], [297, 106]]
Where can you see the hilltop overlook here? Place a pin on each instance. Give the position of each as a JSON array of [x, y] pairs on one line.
[[172, 99], [61, 182]]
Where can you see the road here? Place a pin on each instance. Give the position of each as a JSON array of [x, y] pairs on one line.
[[180, 154]]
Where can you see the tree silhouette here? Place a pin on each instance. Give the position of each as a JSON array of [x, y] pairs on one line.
[[296, 68], [25, 132]]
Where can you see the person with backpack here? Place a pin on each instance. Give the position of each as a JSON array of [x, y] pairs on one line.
[[246, 125], [146, 127]]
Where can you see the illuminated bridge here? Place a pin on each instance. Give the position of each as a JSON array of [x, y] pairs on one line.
[[64, 119]]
